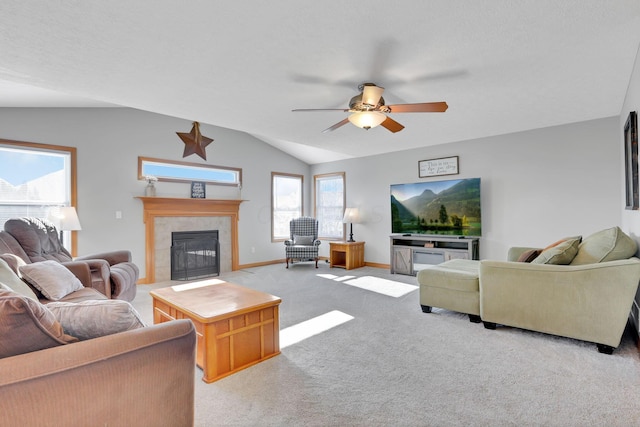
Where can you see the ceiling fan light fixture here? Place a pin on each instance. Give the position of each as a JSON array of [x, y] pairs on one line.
[[367, 119], [371, 95], [369, 110]]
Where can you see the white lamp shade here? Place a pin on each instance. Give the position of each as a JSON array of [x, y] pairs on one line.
[[351, 215], [367, 119], [69, 219]]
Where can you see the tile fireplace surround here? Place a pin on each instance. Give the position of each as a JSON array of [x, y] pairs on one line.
[[162, 215]]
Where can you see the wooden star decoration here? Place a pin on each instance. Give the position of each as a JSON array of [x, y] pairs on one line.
[[194, 142]]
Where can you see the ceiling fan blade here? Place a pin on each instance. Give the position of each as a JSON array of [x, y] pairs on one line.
[[321, 109], [425, 107], [336, 126], [371, 94], [392, 125]]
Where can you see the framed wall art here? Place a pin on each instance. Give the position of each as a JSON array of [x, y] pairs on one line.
[[437, 167], [631, 161]]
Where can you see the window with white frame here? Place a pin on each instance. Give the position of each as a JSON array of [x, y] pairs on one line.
[[286, 203], [329, 204], [36, 180]]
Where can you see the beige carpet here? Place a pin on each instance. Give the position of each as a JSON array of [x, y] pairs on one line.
[[392, 365]]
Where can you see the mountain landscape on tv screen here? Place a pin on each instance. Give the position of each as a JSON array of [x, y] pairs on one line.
[[454, 210]]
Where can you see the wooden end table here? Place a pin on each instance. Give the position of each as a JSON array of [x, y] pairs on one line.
[[236, 327], [346, 255]]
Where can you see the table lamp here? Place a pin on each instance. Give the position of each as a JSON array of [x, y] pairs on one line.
[[69, 221], [351, 216]]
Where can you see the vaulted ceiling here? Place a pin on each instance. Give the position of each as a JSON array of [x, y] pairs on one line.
[[502, 66]]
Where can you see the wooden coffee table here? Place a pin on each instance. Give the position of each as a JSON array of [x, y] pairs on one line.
[[236, 327]]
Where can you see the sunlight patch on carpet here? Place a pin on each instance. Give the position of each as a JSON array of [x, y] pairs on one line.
[[343, 278], [382, 286], [328, 276], [308, 328], [194, 285]]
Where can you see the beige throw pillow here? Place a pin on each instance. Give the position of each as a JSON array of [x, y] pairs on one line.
[[605, 245], [96, 318], [9, 278], [560, 254], [51, 278]]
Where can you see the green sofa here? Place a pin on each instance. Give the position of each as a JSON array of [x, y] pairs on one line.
[[575, 288]]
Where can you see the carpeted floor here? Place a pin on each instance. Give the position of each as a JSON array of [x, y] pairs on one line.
[[392, 365]]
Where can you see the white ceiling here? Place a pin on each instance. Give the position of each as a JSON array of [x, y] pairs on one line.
[[502, 66]]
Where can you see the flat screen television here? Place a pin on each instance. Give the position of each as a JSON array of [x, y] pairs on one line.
[[450, 208]]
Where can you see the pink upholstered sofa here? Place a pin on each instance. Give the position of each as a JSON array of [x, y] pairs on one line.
[[83, 359], [142, 377]]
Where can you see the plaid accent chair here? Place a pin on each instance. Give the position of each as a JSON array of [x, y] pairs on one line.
[[303, 244]]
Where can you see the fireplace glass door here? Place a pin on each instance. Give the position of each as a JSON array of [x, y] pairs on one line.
[[194, 254]]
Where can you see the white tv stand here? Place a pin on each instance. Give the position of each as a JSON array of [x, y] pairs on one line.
[[414, 252]]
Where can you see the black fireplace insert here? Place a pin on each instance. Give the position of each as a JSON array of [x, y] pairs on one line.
[[194, 254]]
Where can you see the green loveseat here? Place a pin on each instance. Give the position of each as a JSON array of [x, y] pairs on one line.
[[581, 289]]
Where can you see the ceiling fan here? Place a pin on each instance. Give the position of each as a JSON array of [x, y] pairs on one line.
[[369, 110]]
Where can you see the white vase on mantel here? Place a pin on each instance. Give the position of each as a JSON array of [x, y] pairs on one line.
[[150, 190]]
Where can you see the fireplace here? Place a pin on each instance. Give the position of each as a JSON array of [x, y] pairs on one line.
[[163, 215], [194, 254]]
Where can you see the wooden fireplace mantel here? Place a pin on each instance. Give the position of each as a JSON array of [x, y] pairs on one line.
[[171, 206]]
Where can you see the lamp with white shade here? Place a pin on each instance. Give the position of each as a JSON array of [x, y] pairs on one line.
[[68, 220], [351, 216]]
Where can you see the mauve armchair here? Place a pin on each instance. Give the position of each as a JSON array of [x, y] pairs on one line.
[[36, 239]]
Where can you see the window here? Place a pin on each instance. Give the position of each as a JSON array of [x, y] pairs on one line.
[[36, 180], [329, 205], [169, 170], [286, 203]]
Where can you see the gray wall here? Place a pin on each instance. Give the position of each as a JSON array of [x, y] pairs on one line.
[[536, 186], [109, 141], [630, 218]]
